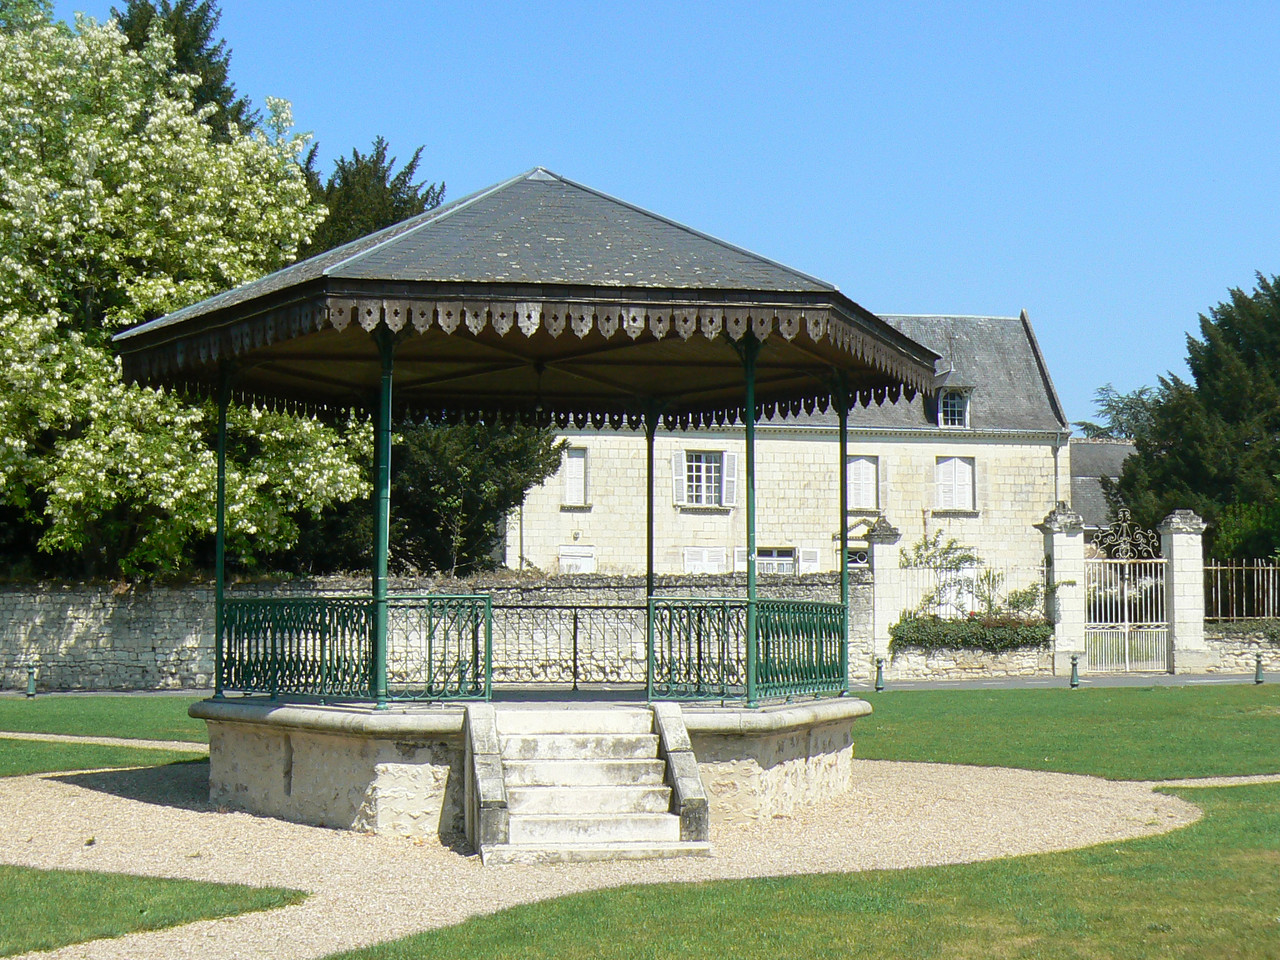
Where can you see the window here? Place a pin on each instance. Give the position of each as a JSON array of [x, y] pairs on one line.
[[863, 483], [953, 409], [954, 477], [575, 559], [704, 478], [775, 560], [575, 477], [704, 559]]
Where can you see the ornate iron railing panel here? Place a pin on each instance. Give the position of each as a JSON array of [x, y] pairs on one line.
[[802, 647], [584, 643], [699, 649], [314, 645], [439, 647]]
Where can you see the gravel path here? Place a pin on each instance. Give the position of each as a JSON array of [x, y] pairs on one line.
[[183, 745], [366, 889]]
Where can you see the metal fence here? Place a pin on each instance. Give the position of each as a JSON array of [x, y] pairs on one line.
[[1126, 622], [953, 593], [700, 649], [438, 647], [1242, 589], [585, 643]]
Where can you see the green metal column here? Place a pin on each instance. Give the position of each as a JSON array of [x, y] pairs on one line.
[[650, 430], [220, 537], [750, 351], [842, 404], [382, 523]]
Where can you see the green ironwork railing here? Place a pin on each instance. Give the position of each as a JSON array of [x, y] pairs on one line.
[[439, 647], [313, 645], [803, 648], [700, 650]]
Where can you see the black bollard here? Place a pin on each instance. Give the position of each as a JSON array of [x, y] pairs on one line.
[[1075, 672]]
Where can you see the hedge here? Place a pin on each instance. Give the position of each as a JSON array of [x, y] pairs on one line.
[[991, 634]]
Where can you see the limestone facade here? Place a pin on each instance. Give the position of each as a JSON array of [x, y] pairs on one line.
[[1018, 477]]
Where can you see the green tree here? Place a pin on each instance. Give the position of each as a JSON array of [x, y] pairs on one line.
[[1122, 416], [119, 204], [197, 51], [364, 194], [1212, 445]]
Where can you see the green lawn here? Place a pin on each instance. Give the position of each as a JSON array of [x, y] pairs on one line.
[[1210, 890], [1125, 733], [140, 718], [20, 757], [46, 909]]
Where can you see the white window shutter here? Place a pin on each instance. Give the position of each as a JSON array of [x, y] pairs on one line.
[[964, 483], [575, 476], [739, 559], [808, 561], [862, 483], [678, 495], [729, 482], [716, 559], [945, 475]]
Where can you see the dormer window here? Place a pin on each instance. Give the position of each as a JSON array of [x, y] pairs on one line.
[[953, 409]]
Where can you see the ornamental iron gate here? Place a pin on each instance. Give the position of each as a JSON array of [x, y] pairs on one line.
[[1126, 623]]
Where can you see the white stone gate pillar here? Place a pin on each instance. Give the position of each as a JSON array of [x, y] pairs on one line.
[[1181, 535], [889, 597], [1063, 531]]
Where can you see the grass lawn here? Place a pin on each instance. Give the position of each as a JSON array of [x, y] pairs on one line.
[[20, 757], [1123, 733], [45, 909], [1210, 890], [140, 718]]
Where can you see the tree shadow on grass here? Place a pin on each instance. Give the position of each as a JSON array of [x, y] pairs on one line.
[[183, 785]]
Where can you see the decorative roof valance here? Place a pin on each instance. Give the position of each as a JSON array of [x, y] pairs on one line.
[[549, 336]]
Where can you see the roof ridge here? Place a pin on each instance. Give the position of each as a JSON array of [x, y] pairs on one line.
[[687, 229], [946, 316]]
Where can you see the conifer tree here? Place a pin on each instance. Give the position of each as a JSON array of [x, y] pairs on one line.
[[1212, 445]]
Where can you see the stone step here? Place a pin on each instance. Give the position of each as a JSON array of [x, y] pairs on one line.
[[514, 720], [613, 798], [532, 853], [579, 746], [555, 830], [568, 773]]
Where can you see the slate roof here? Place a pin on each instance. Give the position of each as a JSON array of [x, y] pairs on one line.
[[537, 227], [996, 359], [1091, 459]]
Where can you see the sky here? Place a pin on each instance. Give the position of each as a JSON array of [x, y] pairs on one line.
[[1110, 168]]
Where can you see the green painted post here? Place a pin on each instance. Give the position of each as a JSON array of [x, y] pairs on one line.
[[220, 536], [650, 429], [750, 351], [382, 527], [842, 402]]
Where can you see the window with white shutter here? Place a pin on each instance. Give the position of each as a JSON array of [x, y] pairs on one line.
[[864, 483], [576, 559], [704, 559], [809, 560], [575, 477], [954, 477], [704, 478]]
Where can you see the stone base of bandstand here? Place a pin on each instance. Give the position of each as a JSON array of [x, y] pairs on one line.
[[401, 771]]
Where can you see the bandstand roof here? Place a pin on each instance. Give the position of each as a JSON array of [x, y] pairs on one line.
[[537, 297]]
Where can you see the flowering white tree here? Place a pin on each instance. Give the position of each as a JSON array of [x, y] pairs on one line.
[[117, 204]]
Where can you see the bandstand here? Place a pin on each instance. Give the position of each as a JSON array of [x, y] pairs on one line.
[[537, 300]]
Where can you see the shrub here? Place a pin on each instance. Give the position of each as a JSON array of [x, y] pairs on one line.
[[994, 634]]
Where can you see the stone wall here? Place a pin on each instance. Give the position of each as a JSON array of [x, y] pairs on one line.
[[1235, 647], [99, 637], [968, 664]]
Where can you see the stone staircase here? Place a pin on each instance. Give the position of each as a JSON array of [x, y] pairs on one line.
[[582, 783]]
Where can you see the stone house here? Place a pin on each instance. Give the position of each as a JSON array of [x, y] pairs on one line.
[[983, 460]]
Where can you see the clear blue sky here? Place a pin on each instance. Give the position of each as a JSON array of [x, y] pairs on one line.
[[1110, 167]]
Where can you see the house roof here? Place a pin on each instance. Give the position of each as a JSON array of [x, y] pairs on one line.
[[1091, 459], [995, 360], [510, 292]]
